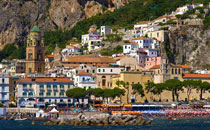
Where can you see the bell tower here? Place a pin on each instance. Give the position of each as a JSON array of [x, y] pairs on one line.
[[35, 52]]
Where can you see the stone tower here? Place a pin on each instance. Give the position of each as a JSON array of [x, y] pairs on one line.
[[165, 67], [35, 52]]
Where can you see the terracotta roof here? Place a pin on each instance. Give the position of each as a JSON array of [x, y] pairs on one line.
[[116, 76], [88, 59], [184, 66], [75, 43], [155, 67], [45, 79], [199, 76], [140, 38], [141, 51], [129, 43], [49, 56], [118, 58], [143, 22], [84, 73]]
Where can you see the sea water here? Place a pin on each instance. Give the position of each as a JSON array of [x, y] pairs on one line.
[[157, 124]]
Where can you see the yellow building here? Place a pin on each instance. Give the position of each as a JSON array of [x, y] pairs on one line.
[[35, 52], [133, 77]]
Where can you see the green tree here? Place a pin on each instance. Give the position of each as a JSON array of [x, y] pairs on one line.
[[189, 85], [158, 89], [150, 88], [138, 89], [119, 93], [108, 93], [202, 86], [76, 93], [174, 85]]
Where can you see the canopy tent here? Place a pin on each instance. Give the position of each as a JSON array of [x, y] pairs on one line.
[[52, 105], [54, 111], [41, 111]]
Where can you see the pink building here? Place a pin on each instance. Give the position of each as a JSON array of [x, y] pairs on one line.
[[151, 61], [141, 55]]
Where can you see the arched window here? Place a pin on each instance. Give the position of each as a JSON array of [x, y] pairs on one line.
[[30, 54]]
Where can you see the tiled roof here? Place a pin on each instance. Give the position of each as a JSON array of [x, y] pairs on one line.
[[143, 22], [118, 58], [129, 43], [45, 79], [155, 67], [49, 56], [140, 38], [199, 76], [141, 51], [88, 59], [83, 73], [184, 66]]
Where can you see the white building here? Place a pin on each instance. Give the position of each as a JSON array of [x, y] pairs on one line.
[[70, 50], [129, 47], [151, 52], [84, 80], [143, 42], [38, 92], [106, 30], [4, 89], [183, 10], [140, 29]]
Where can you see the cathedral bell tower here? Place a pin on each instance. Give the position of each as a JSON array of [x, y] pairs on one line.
[[35, 52]]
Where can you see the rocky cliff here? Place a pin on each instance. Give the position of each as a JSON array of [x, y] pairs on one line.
[[18, 16], [190, 45]]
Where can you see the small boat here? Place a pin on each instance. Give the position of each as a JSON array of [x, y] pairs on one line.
[[21, 119]]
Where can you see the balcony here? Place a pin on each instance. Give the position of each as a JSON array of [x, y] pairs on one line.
[[41, 89]]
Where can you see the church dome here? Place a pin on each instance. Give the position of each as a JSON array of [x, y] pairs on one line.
[[35, 29]]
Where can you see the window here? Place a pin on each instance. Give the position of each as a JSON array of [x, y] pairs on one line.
[[125, 47], [93, 71], [61, 86], [103, 70], [41, 86], [30, 94], [99, 70], [3, 80], [30, 54], [55, 87], [84, 87], [61, 93], [175, 71], [197, 91], [179, 71], [76, 71], [110, 70], [41, 94], [48, 94], [48, 86], [157, 34], [24, 93], [172, 71], [87, 70], [30, 85], [69, 86], [24, 86]]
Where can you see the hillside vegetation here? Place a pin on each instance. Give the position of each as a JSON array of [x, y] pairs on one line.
[[125, 17]]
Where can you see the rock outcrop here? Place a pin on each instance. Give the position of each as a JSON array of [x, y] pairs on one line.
[[18, 16], [190, 45], [102, 119]]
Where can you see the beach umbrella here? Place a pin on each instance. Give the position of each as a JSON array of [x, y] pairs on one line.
[[54, 111], [52, 105]]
